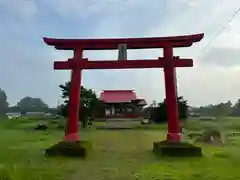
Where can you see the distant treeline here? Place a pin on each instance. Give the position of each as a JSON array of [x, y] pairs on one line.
[[222, 109], [90, 101]]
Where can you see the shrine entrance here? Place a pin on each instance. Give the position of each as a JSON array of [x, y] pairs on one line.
[[168, 62]]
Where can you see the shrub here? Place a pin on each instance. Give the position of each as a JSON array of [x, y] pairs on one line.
[[159, 114]]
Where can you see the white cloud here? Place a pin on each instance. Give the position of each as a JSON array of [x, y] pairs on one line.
[[84, 8], [207, 82], [222, 56], [192, 81], [23, 9], [182, 17]]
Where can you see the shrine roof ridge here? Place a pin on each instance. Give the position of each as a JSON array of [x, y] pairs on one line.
[[132, 43], [113, 96], [118, 90]]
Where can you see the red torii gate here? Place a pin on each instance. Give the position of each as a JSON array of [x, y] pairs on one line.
[[168, 62]]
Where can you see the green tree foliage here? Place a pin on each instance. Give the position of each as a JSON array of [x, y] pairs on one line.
[[89, 103], [236, 108], [159, 114], [31, 104], [3, 102]]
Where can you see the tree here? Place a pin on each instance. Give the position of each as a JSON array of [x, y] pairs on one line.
[[89, 103], [224, 109], [3, 102], [32, 104], [182, 108], [236, 108], [159, 114]]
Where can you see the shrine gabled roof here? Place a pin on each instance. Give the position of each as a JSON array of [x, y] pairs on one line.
[[132, 43], [118, 96]]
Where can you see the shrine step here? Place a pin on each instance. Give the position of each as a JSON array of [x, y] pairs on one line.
[[118, 119], [113, 128], [117, 125]]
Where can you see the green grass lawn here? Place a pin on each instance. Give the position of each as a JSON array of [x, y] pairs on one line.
[[115, 155]]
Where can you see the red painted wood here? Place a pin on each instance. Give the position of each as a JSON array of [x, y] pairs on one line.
[[126, 64], [171, 96], [119, 96], [132, 43], [129, 46], [71, 133], [168, 62]]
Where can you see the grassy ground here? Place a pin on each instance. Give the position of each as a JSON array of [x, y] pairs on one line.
[[115, 155]]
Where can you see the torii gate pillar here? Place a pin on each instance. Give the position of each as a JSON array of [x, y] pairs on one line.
[[171, 96], [71, 133]]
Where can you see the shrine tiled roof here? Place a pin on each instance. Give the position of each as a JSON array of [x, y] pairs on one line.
[[118, 96]]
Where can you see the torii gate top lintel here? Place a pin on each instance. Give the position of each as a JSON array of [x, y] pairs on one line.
[[132, 43]]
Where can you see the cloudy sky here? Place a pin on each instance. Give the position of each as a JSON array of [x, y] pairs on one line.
[[27, 63]]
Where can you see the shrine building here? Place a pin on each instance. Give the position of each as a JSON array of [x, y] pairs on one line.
[[121, 104]]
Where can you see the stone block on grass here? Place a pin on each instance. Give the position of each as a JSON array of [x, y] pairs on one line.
[[211, 136], [176, 149], [69, 149], [60, 126], [41, 127]]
